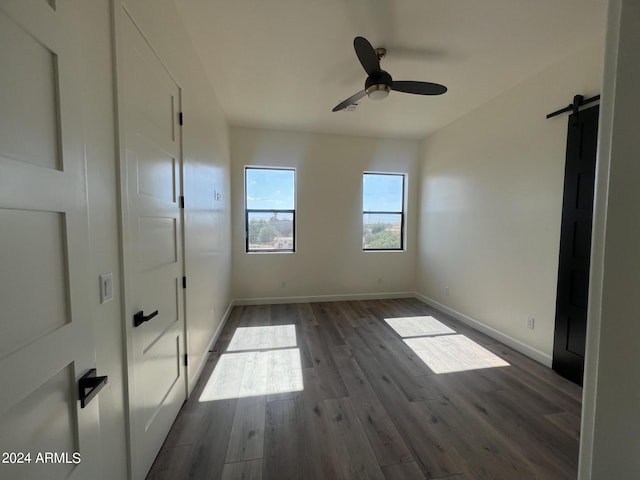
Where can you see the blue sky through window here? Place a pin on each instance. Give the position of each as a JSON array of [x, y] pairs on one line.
[[382, 193], [270, 188]]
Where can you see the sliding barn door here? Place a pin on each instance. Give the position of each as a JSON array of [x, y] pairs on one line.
[[46, 336], [149, 106], [575, 246]]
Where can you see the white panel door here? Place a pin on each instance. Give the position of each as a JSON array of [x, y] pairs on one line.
[[149, 108], [46, 335]]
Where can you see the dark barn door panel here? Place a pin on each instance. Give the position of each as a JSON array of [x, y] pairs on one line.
[[575, 246]]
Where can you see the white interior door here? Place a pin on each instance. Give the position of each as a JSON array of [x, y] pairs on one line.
[[46, 336], [149, 108]]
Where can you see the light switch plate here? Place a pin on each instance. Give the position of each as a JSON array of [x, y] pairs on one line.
[[106, 287]]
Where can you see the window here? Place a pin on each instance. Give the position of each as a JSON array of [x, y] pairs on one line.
[[383, 211], [270, 216]]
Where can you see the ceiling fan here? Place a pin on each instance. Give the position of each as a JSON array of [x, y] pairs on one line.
[[379, 83]]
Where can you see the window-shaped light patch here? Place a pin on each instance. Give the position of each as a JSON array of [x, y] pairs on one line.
[[249, 374], [440, 347], [258, 361], [261, 338], [453, 353], [418, 326]]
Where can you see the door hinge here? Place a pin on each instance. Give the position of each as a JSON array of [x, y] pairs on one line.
[[180, 119], [181, 199], [184, 282], [186, 359]]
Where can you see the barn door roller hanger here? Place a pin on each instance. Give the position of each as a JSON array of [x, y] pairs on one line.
[[578, 101]]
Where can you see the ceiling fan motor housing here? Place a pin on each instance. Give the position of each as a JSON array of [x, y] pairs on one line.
[[378, 85]]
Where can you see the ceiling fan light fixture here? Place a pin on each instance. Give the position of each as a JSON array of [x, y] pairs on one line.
[[379, 91], [379, 83]]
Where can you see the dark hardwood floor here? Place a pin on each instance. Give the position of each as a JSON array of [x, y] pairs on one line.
[[342, 395]]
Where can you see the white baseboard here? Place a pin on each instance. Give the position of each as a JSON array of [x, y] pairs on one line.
[[322, 298], [196, 374], [517, 345]]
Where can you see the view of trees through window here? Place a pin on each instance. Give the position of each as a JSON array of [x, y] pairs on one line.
[[383, 211], [272, 233], [270, 209]]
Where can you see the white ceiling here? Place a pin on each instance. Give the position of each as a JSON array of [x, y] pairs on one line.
[[286, 63]]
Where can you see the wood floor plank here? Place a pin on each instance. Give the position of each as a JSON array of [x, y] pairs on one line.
[[360, 308], [547, 448], [284, 314], [543, 377], [325, 313], [246, 440], [403, 471], [307, 317], [171, 462], [567, 422], [369, 406], [231, 324], [431, 452], [251, 470], [343, 324], [320, 458], [479, 449], [523, 434], [192, 424], [354, 450], [349, 313], [329, 379], [386, 441], [283, 445], [290, 314], [378, 335], [205, 456], [396, 368], [255, 316]]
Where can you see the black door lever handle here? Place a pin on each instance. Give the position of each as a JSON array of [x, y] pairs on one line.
[[89, 386], [139, 318]]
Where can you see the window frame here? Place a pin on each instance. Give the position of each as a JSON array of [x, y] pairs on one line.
[[248, 211], [401, 212]]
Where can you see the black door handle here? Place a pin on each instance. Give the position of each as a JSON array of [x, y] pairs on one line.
[[89, 386], [139, 318]]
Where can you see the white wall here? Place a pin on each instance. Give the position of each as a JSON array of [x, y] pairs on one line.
[[491, 200], [611, 396], [329, 260], [206, 155]]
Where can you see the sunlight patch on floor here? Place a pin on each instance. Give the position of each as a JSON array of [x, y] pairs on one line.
[[453, 353], [440, 347], [258, 361], [259, 338], [248, 374], [418, 326]]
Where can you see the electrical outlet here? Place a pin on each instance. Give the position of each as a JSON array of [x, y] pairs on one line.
[[379, 280], [446, 291], [530, 322]]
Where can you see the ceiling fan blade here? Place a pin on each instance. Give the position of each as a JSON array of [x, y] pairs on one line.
[[367, 55], [349, 101], [419, 88]]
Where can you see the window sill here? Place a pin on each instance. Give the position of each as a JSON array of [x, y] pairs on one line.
[[383, 250]]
